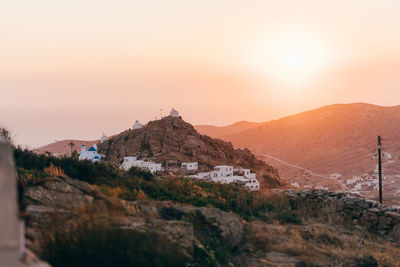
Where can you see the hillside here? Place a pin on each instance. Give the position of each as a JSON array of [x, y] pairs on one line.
[[97, 215], [220, 131], [332, 139], [337, 138], [174, 141], [63, 147]]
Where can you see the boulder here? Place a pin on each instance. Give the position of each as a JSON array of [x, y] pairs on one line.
[[57, 193]]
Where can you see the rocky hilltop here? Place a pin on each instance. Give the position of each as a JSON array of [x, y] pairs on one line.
[[171, 140]]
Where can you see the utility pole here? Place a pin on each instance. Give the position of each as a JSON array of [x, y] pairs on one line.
[[380, 168]]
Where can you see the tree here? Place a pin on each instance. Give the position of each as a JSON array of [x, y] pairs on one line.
[[5, 135], [71, 144]]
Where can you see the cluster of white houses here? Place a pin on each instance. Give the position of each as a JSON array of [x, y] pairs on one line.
[[150, 166], [153, 167], [220, 174], [227, 175]]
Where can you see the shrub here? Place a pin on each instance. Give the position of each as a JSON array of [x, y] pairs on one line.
[[138, 184], [91, 241]]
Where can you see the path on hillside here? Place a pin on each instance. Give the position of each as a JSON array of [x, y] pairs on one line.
[[342, 185]]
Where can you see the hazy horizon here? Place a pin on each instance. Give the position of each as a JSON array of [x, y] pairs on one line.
[[76, 69]]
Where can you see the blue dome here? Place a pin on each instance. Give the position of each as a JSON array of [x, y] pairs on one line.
[[92, 149], [96, 157]]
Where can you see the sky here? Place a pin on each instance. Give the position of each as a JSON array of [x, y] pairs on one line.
[[75, 69]]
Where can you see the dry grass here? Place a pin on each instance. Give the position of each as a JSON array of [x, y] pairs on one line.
[[321, 244]]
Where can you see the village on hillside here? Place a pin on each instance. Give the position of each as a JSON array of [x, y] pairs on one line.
[[363, 185], [221, 174]]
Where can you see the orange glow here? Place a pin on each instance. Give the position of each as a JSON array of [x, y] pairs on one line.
[[75, 69]]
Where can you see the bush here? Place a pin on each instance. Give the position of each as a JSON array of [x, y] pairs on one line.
[[138, 184], [94, 242]]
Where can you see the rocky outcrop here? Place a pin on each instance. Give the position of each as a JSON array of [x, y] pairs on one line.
[[189, 228], [341, 209], [206, 222], [61, 192], [210, 231], [172, 140]]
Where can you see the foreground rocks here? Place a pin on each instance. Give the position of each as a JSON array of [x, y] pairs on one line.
[[351, 212], [190, 229], [333, 226]]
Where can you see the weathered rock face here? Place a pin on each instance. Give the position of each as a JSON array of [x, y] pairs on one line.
[[61, 192], [172, 139], [206, 223], [189, 228], [192, 229], [337, 208]]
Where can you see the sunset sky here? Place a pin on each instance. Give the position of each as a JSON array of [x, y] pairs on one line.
[[74, 69]]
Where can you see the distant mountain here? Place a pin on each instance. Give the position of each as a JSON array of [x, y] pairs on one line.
[[63, 147], [220, 131], [172, 141], [332, 139]]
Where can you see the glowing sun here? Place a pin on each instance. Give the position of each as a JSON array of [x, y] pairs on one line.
[[292, 57]]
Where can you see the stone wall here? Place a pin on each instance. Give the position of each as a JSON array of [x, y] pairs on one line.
[[341, 209], [12, 240], [9, 223]]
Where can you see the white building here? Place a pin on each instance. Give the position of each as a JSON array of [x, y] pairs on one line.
[[130, 162], [91, 154], [357, 187], [245, 172], [295, 184], [336, 175], [387, 155], [174, 113], [137, 125], [190, 166], [224, 174], [222, 171], [103, 138]]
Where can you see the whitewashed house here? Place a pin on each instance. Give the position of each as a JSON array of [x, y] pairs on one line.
[[174, 113], [91, 154], [387, 155], [103, 138], [245, 172], [137, 125], [222, 170], [295, 184], [190, 166], [357, 187], [224, 174], [130, 162]]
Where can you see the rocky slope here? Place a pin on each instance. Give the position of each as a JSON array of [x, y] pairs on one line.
[[172, 139], [322, 239]]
